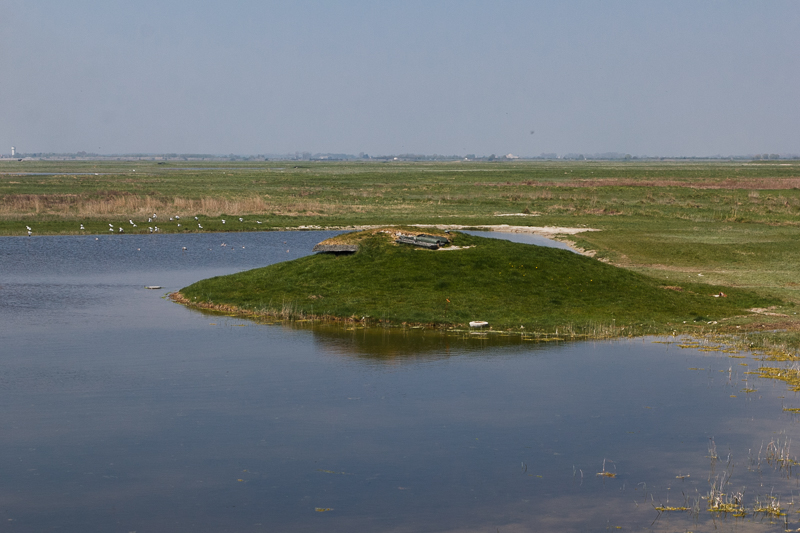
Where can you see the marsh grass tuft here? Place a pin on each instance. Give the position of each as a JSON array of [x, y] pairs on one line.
[[605, 473]]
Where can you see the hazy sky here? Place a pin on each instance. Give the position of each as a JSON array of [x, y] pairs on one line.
[[387, 77]]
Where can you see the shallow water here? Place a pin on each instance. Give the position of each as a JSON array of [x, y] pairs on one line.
[[524, 238], [123, 411]]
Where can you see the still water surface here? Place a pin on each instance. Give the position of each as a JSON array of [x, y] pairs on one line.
[[122, 411]]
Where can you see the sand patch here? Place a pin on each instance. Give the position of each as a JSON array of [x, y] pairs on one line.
[[545, 231]]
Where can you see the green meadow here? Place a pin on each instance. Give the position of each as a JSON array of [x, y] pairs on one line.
[[723, 223]]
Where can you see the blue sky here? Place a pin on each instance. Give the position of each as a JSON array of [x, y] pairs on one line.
[[386, 77]]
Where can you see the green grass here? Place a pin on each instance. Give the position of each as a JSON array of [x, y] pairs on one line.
[[736, 223], [303, 193], [507, 284]]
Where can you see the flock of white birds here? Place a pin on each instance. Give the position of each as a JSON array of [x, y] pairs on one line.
[[151, 229]]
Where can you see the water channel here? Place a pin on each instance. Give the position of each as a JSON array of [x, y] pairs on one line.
[[123, 411]]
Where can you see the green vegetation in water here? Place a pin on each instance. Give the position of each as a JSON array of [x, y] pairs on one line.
[[510, 285]]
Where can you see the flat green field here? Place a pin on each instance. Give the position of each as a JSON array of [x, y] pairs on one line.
[[723, 223]]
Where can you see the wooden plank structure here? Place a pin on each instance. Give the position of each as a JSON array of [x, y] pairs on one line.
[[431, 242], [336, 248]]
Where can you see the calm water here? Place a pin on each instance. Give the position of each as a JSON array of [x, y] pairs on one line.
[[122, 411], [524, 238]]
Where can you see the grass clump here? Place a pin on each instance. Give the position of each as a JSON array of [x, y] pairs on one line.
[[510, 285]]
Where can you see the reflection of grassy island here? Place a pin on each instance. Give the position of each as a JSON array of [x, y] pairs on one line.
[[505, 283]]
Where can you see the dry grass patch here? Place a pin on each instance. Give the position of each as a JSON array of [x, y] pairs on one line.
[[113, 203], [389, 232]]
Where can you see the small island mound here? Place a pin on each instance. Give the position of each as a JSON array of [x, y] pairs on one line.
[[511, 286]]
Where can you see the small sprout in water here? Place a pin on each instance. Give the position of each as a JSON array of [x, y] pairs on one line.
[[603, 473]]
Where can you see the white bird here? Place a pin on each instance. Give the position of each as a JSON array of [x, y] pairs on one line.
[[258, 222], [156, 228], [111, 229], [195, 218], [241, 219], [29, 233], [111, 225], [121, 230], [170, 219], [177, 217], [155, 216], [82, 226], [184, 248], [199, 226], [179, 225], [28, 228], [149, 219], [223, 220], [151, 230], [131, 221]]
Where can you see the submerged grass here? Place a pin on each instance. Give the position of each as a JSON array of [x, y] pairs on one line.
[[510, 285]]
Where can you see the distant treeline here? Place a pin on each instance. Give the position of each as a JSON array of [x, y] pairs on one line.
[[308, 156]]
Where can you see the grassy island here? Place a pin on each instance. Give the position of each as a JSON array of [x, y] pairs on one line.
[[509, 285]]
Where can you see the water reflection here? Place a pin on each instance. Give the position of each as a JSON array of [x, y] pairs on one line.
[[413, 345], [124, 411]]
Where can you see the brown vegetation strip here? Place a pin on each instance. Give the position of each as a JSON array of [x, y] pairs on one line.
[[759, 184], [238, 311], [286, 314], [130, 204]]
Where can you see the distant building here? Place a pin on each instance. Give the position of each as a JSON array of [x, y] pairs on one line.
[[13, 151]]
